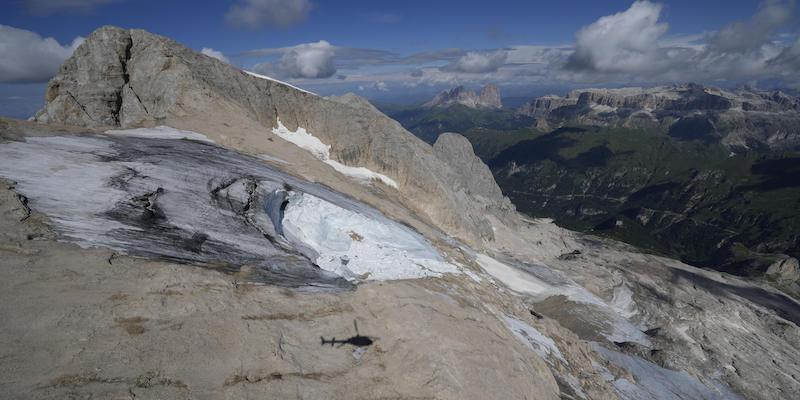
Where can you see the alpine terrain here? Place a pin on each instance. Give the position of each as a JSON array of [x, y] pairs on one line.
[[174, 227]]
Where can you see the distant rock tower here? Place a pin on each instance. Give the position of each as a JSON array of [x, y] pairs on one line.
[[488, 98]]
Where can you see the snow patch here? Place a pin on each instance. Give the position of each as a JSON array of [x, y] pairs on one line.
[[543, 345], [361, 173], [160, 132], [275, 80], [622, 301], [301, 138], [591, 309], [523, 282], [657, 383], [357, 247], [602, 108]]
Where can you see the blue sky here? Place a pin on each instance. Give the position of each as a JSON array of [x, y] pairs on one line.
[[410, 49]]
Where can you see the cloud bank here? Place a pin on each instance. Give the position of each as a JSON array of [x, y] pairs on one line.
[[27, 57]]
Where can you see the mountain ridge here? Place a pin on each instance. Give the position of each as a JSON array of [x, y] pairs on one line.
[[488, 98], [741, 119]]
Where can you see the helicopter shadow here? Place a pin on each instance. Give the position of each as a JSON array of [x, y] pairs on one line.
[[358, 340]]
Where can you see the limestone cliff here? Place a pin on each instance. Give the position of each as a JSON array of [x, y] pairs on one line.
[[129, 78]]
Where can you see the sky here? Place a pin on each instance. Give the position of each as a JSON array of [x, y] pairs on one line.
[[407, 51]]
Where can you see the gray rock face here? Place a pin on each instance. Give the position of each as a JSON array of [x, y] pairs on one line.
[[129, 78], [741, 119], [472, 177], [88, 90], [489, 98], [786, 271]]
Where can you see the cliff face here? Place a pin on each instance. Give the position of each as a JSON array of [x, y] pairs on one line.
[[128, 78], [489, 97], [741, 119]]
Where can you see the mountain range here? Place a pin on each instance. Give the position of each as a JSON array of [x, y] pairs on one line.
[[743, 119], [174, 227]]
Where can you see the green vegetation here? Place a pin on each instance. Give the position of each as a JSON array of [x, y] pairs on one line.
[[684, 196], [429, 123]]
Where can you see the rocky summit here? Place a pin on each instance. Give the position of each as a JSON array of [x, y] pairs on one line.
[[489, 98], [172, 227]]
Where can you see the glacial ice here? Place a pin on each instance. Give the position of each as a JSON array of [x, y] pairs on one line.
[[160, 132], [355, 246]]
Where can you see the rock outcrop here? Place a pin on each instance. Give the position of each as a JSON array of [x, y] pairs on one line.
[[129, 78], [740, 119], [489, 97], [471, 177], [786, 271]]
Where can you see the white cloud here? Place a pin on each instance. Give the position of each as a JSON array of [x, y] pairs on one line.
[[27, 57], [633, 46], [621, 43], [630, 46], [380, 86], [309, 60], [478, 63], [47, 7], [254, 14], [215, 54]]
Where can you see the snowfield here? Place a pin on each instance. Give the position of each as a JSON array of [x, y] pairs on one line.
[[356, 247], [275, 80], [301, 138], [160, 132]]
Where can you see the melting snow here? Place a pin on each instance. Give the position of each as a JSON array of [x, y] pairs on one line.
[[609, 321], [523, 282], [275, 80], [623, 302], [358, 247], [301, 138], [657, 383], [160, 132], [543, 345]]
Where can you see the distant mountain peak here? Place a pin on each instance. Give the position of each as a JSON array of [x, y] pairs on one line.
[[489, 97]]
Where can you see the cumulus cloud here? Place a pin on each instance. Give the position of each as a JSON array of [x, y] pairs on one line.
[[254, 14], [478, 63], [624, 42], [215, 54], [309, 60], [47, 7], [631, 46], [27, 57]]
